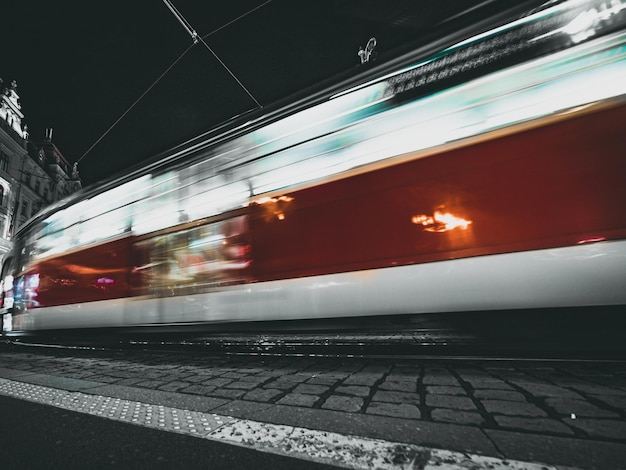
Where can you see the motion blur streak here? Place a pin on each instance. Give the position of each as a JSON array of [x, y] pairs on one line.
[[488, 175]]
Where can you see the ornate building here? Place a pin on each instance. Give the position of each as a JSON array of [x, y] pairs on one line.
[[32, 175]]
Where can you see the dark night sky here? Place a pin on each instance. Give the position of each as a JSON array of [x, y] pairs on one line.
[[79, 65]]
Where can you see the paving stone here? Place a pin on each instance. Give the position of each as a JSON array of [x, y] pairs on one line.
[[83, 374], [249, 370], [508, 395], [512, 408], [396, 397], [547, 390], [445, 390], [449, 401], [311, 389], [217, 382], [174, 386], [603, 428], [533, 424], [362, 379], [403, 375], [349, 367], [242, 385], [283, 385], [579, 408], [456, 416], [613, 401], [379, 370], [262, 394], [268, 374], [253, 378], [227, 392], [105, 379], [594, 389], [153, 384], [546, 373], [129, 381], [198, 378], [398, 410], [324, 380], [491, 383], [408, 386], [122, 374], [298, 399], [588, 372], [440, 379], [349, 404], [152, 374], [356, 390], [515, 376], [233, 375], [472, 374], [298, 377], [198, 389]]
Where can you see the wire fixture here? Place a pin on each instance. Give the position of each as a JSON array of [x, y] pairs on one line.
[[196, 38]]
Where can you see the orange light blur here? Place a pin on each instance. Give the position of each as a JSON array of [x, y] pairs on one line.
[[265, 200], [273, 206], [440, 222]]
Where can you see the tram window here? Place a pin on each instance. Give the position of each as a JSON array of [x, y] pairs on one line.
[[198, 258]]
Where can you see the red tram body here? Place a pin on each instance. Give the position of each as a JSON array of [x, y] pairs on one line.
[[495, 185]]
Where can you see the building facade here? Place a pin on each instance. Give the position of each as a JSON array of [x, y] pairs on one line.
[[32, 174]]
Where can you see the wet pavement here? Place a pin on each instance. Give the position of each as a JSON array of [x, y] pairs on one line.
[[567, 413]]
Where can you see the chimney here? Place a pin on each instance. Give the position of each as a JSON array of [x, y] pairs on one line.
[[48, 136]]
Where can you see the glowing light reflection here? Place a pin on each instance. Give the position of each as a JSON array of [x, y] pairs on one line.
[[591, 240], [274, 206], [440, 222]]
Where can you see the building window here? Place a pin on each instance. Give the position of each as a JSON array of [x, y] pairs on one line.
[[4, 160], [1, 195], [37, 185], [24, 208]]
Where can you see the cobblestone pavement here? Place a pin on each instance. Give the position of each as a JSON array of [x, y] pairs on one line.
[[562, 413]]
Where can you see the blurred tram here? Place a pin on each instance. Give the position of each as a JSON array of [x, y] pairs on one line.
[[484, 172]]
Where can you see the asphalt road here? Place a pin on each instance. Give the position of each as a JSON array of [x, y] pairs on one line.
[[34, 436]]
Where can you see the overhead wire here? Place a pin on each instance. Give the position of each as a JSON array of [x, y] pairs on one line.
[[135, 103], [182, 20], [196, 38], [236, 19]]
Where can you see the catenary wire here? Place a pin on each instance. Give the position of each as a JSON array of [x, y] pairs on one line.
[[196, 39], [135, 103]]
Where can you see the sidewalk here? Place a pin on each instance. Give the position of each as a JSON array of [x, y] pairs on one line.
[[567, 414]]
